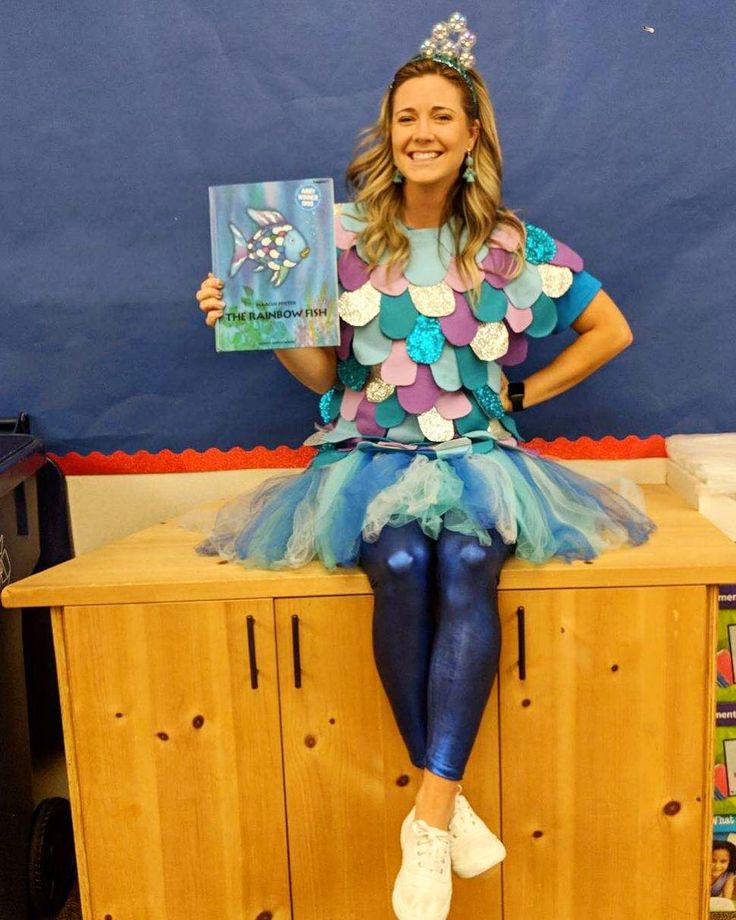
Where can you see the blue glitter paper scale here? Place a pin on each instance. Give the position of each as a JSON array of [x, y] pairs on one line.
[[426, 341]]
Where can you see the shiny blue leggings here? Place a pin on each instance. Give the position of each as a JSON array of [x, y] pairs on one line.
[[436, 637]]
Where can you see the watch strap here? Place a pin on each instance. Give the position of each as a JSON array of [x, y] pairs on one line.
[[516, 395]]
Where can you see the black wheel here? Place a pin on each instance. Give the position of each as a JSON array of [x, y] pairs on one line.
[[52, 866]]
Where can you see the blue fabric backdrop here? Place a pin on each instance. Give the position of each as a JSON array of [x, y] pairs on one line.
[[116, 117]]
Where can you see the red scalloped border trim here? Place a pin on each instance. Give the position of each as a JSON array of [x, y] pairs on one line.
[[188, 461], [237, 458], [606, 448]]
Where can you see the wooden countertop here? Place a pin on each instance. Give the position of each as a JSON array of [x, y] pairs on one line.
[[158, 564]]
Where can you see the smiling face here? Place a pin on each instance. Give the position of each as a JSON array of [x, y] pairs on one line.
[[430, 132], [721, 859]]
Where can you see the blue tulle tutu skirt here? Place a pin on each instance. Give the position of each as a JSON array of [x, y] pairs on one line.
[[326, 511]]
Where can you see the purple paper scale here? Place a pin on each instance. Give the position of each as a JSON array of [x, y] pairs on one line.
[[346, 337], [518, 345], [499, 262], [365, 420], [497, 281], [567, 257], [460, 326], [352, 270], [421, 395]]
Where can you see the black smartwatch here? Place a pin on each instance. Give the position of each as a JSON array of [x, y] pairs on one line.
[[516, 395]]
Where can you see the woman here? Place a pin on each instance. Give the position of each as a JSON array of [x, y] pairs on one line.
[[418, 476]]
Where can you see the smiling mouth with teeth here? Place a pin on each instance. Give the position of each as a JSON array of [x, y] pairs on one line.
[[425, 155]]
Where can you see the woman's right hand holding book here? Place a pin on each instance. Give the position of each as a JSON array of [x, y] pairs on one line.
[[315, 367], [209, 297]]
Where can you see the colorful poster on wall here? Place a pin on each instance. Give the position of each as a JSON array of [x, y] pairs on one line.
[[723, 866], [273, 244]]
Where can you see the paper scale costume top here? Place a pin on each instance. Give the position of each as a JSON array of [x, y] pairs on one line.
[[420, 369], [415, 430]]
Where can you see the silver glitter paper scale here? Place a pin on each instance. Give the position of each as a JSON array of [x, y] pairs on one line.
[[360, 306], [378, 390], [433, 299], [556, 279], [491, 341], [434, 427]]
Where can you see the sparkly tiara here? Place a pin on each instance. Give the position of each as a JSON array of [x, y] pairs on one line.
[[451, 44]]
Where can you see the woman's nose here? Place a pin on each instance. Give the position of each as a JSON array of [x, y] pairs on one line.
[[422, 128]]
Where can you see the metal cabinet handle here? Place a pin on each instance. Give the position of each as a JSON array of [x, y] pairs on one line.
[[252, 652], [522, 643], [296, 651]]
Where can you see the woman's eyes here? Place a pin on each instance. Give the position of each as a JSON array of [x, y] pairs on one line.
[[405, 119]]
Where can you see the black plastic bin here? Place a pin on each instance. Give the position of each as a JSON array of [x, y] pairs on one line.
[[37, 866]]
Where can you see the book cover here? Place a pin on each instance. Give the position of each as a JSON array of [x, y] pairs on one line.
[[723, 871], [724, 767], [273, 244]]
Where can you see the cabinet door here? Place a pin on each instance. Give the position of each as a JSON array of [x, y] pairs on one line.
[[174, 760], [349, 780], [605, 780]]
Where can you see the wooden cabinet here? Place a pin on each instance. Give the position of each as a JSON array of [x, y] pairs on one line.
[[348, 779], [606, 770], [174, 759], [232, 754]]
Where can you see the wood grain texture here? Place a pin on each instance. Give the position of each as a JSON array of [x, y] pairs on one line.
[[70, 754], [708, 741], [605, 789], [349, 780], [158, 564], [177, 795]]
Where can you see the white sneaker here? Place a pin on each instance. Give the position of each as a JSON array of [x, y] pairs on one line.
[[423, 887], [474, 848]]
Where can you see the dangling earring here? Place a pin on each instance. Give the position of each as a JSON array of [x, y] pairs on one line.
[[398, 178], [469, 175]]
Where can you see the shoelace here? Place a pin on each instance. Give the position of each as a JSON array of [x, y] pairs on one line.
[[432, 847], [463, 818]]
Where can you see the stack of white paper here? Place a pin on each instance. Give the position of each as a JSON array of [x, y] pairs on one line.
[[702, 468], [710, 458]]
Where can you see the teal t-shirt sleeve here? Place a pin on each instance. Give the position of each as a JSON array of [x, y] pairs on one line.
[[583, 289]]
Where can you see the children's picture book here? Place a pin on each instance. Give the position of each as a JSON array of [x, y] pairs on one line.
[[273, 244], [724, 768], [723, 871]]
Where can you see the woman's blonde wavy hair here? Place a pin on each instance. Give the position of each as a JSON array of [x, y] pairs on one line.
[[475, 206]]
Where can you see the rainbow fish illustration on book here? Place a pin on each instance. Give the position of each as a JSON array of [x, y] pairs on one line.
[[276, 245], [273, 245]]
